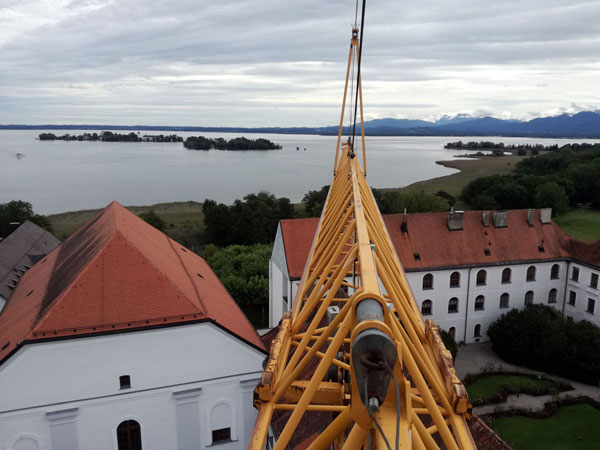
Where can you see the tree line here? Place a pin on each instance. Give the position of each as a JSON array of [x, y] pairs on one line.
[[109, 136], [488, 145], [239, 143], [568, 176]]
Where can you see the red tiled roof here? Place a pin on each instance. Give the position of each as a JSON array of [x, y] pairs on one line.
[[117, 272], [584, 252], [298, 236], [428, 235]]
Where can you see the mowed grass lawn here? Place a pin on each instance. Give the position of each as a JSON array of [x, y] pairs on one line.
[[487, 387], [571, 428], [583, 224]]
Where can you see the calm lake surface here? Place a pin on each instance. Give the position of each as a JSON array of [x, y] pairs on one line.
[[63, 176]]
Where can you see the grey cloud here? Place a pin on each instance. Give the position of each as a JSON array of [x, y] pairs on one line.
[[282, 63]]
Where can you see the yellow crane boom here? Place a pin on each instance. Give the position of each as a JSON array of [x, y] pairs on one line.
[[355, 349]]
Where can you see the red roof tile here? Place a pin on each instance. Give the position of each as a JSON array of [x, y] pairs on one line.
[[117, 272], [428, 235], [298, 236]]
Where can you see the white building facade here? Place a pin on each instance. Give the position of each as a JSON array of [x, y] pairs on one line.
[[185, 387], [123, 339], [460, 290]]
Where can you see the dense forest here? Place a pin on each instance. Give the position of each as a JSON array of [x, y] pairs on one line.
[[240, 143], [109, 136], [567, 176]]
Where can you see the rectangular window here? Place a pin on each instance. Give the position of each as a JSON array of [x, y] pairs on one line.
[[221, 435], [575, 274], [572, 298], [591, 305], [594, 281], [125, 381]]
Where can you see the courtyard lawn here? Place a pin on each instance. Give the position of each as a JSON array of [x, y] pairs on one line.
[[572, 427], [487, 387], [581, 224]]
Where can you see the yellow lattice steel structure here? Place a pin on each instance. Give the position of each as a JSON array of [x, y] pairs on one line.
[[355, 328]]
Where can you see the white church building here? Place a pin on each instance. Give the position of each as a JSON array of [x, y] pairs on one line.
[[465, 268], [123, 339]]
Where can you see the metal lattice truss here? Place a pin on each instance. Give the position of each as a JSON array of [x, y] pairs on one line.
[[325, 361], [352, 253]]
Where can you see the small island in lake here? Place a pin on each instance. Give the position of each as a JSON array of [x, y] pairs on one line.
[[109, 136], [240, 143]]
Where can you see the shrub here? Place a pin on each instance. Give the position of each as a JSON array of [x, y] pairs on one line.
[[540, 338]]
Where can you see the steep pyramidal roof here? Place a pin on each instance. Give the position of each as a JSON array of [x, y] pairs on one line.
[[117, 273]]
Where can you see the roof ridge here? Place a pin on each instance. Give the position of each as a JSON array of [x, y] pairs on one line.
[[43, 314]]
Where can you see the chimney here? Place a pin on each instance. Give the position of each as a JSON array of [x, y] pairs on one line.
[[455, 220], [500, 219], [404, 226], [485, 218], [530, 217], [546, 216]]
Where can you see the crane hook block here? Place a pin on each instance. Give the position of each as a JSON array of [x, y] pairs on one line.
[[373, 355]]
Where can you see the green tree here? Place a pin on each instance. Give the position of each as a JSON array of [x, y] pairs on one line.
[[154, 219], [314, 201], [551, 195], [249, 221], [19, 211], [244, 271], [391, 202], [538, 337]]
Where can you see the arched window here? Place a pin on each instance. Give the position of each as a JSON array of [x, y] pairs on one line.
[[477, 332], [25, 443], [479, 302], [529, 298], [129, 435], [428, 281], [506, 273], [455, 279], [453, 305], [426, 307], [481, 277], [555, 272], [221, 422], [452, 332], [531, 273], [552, 296], [504, 299]]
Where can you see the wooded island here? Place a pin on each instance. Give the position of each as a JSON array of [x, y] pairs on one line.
[[240, 143]]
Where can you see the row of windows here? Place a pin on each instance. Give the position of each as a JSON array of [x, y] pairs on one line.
[[476, 331], [593, 277], [427, 305], [591, 305], [129, 435], [481, 278]]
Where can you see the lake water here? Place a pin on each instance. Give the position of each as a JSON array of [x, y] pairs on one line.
[[63, 176]]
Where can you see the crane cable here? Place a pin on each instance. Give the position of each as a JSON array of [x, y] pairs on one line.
[[358, 87]]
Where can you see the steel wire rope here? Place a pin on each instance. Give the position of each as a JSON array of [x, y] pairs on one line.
[[360, 44], [377, 366]]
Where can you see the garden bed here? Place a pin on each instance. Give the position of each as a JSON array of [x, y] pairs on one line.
[[494, 387]]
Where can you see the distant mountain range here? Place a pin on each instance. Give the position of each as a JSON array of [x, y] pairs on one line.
[[581, 125]]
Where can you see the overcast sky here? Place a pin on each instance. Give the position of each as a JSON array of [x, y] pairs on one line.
[[282, 62]]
